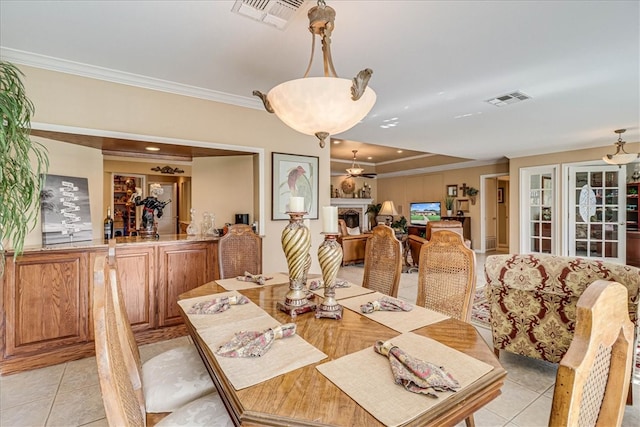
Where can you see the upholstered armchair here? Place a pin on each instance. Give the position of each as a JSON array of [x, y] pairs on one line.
[[353, 243], [533, 299]]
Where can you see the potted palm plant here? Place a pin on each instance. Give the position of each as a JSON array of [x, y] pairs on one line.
[[372, 211], [448, 204], [23, 163]]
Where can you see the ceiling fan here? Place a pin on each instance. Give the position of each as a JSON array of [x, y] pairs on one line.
[[355, 171]]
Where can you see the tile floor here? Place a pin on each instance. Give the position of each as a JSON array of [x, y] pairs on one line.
[[69, 394]]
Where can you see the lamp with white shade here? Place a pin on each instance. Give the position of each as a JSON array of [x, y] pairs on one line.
[[388, 209], [321, 106]]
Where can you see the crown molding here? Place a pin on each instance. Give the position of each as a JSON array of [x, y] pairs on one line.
[[84, 70]]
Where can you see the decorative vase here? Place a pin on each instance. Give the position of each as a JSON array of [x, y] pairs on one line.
[[330, 258], [296, 242]]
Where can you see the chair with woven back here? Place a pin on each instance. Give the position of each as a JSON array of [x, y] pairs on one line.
[[383, 261], [447, 278], [447, 275], [173, 388], [593, 377], [239, 250]]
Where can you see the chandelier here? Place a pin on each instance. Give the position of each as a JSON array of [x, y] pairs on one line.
[[321, 106], [355, 168], [620, 157]]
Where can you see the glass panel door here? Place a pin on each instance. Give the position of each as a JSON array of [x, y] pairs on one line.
[[539, 212], [596, 227]]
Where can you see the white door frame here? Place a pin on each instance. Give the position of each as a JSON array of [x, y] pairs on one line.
[[482, 247], [524, 208]]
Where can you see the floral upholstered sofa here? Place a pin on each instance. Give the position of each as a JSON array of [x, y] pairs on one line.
[[533, 299]]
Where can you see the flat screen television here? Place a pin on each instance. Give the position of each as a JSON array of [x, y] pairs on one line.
[[423, 212]]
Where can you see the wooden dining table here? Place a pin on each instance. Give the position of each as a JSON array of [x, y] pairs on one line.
[[305, 397]]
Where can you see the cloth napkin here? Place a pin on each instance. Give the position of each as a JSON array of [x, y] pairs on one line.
[[255, 343], [217, 305], [386, 304], [255, 278], [319, 283], [415, 375]]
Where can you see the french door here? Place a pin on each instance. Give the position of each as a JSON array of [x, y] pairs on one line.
[[596, 222], [539, 210]]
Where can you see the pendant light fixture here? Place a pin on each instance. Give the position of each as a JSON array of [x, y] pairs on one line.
[[355, 169], [321, 106], [620, 157]]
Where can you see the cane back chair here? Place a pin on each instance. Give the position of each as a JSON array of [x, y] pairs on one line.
[[383, 261], [239, 250]]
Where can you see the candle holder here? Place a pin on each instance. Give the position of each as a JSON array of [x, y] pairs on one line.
[[296, 242], [330, 258]]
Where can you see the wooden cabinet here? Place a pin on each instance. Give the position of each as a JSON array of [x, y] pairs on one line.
[[124, 211], [632, 219], [45, 302], [46, 310], [181, 268]]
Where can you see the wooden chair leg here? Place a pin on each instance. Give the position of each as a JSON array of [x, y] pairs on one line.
[[496, 351], [630, 394], [469, 421]]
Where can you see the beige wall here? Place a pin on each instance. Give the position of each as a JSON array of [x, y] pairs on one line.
[[84, 103], [432, 187], [73, 160], [223, 186]]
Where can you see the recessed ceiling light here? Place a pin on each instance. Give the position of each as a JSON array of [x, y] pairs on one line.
[[152, 148], [369, 158], [399, 151], [336, 141]]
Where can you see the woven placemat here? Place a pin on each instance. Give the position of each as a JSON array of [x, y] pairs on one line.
[[366, 377], [234, 284], [285, 355], [401, 321], [233, 314]]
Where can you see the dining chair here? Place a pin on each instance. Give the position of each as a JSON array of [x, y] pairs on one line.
[[173, 382], [239, 250], [593, 376], [383, 261], [447, 278]]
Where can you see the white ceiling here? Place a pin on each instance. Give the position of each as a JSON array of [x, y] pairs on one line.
[[435, 63]]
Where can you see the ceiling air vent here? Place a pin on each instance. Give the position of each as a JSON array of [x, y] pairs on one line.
[[276, 13], [510, 98]]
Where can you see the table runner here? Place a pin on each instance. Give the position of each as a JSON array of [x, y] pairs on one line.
[[235, 313], [284, 356], [342, 293], [371, 384], [401, 321], [234, 284]]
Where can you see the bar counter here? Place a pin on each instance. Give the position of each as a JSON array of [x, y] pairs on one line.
[[46, 295]]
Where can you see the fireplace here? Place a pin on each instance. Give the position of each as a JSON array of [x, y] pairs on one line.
[[351, 209]]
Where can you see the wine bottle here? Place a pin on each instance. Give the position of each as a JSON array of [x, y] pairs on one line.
[[108, 225]]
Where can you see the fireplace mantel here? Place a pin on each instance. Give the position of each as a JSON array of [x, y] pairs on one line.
[[359, 205]]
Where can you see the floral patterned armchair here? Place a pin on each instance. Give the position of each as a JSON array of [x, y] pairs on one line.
[[533, 299]]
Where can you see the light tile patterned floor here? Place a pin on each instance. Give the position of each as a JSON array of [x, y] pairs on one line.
[[69, 394]]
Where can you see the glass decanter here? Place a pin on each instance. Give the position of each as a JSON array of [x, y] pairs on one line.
[[192, 228]]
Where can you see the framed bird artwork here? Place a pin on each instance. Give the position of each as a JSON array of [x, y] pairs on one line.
[[294, 176]]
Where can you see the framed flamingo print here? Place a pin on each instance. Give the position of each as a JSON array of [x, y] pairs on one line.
[[294, 175]]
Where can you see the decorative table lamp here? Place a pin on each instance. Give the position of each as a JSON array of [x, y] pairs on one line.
[[330, 258], [296, 242], [388, 209]]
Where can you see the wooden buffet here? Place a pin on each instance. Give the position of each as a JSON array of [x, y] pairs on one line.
[[45, 306]]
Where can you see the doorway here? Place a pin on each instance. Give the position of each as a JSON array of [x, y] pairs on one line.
[[494, 213], [168, 223]]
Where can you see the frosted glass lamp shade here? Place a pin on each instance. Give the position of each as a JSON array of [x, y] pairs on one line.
[[319, 104], [620, 159]]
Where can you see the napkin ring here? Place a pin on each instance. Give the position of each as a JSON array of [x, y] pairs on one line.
[[385, 348]]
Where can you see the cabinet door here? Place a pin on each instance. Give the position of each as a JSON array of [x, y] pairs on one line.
[[46, 302], [136, 277], [181, 267]]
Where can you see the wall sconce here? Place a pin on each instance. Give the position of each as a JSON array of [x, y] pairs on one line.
[[167, 169]]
